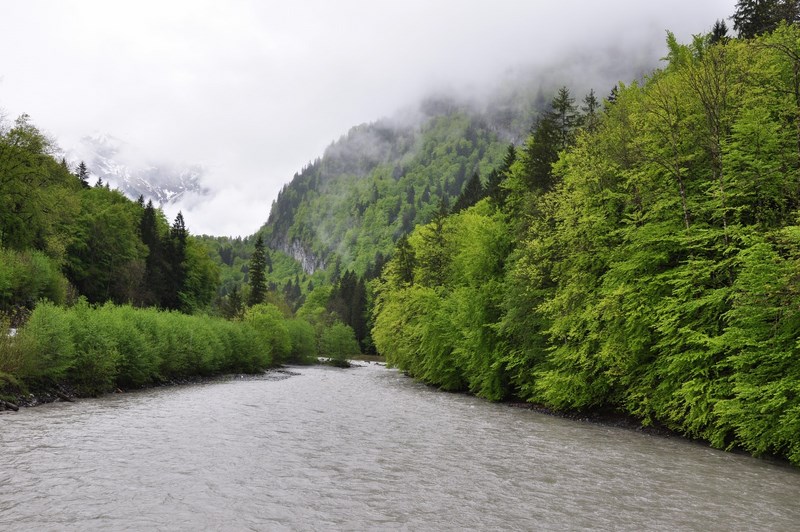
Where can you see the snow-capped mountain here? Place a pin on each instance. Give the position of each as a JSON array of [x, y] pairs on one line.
[[109, 158]]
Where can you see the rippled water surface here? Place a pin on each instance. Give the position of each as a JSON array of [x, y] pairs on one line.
[[363, 449]]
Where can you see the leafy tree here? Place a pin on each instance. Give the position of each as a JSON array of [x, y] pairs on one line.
[[24, 177], [269, 323], [338, 344]]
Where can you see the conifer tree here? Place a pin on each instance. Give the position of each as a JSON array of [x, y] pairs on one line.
[[495, 192], [258, 287], [589, 108], [719, 32], [83, 174], [406, 260], [564, 116], [754, 17], [175, 264], [268, 261], [154, 263], [473, 192]]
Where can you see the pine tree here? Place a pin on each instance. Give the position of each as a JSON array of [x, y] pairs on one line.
[[175, 263], [495, 192], [233, 304], [154, 263], [268, 261], [564, 116], [589, 108], [754, 17], [258, 288], [83, 175], [406, 260], [473, 192], [719, 32]]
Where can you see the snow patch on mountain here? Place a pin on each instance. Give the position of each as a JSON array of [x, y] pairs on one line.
[[117, 163]]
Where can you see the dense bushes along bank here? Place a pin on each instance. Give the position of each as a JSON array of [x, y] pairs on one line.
[[643, 258], [97, 349]]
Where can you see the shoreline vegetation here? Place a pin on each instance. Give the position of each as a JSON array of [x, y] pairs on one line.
[[89, 350], [638, 256]]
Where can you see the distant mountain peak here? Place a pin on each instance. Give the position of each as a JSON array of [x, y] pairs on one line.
[[163, 182]]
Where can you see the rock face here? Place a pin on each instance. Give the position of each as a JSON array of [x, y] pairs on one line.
[[109, 159], [306, 258]]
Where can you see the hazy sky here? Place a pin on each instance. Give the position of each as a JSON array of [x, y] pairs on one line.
[[254, 90]]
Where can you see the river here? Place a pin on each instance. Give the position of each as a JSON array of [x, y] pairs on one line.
[[363, 449]]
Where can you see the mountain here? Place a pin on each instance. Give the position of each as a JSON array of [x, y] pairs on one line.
[[381, 179], [160, 181]]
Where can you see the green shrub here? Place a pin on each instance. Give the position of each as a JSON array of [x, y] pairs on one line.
[[45, 342], [338, 343], [268, 321], [303, 341], [94, 369], [26, 277]]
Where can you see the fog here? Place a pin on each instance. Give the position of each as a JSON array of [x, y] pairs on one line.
[[253, 91]]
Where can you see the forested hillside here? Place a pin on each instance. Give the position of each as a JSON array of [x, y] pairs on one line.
[[382, 179], [99, 292], [62, 238], [652, 269]]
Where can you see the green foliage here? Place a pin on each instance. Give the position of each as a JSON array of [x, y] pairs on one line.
[[46, 343], [438, 328], [257, 271], [755, 17], [645, 261], [26, 277], [98, 349], [303, 341], [377, 183], [108, 247], [268, 322], [338, 344]]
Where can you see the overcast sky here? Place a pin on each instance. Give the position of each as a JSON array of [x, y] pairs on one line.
[[254, 90]]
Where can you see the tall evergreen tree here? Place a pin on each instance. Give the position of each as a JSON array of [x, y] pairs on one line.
[[754, 17], [175, 264], [494, 191], [719, 32], [590, 107], [473, 192], [268, 261], [258, 287], [83, 174], [406, 260], [154, 263], [564, 116]]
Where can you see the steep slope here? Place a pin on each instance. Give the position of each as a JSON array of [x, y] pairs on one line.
[[380, 180]]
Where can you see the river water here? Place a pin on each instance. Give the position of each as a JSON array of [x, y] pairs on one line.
[[363, 449]]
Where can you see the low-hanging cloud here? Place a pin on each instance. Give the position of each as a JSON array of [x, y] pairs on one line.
[[254, 90]]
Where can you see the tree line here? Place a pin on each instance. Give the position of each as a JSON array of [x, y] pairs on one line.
[[639, 254]]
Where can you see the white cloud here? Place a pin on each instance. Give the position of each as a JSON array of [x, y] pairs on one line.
[[254, 90]]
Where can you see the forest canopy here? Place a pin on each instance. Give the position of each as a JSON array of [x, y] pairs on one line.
[[644, 260]]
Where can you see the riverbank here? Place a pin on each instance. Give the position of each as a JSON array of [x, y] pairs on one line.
[[35, 395]]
